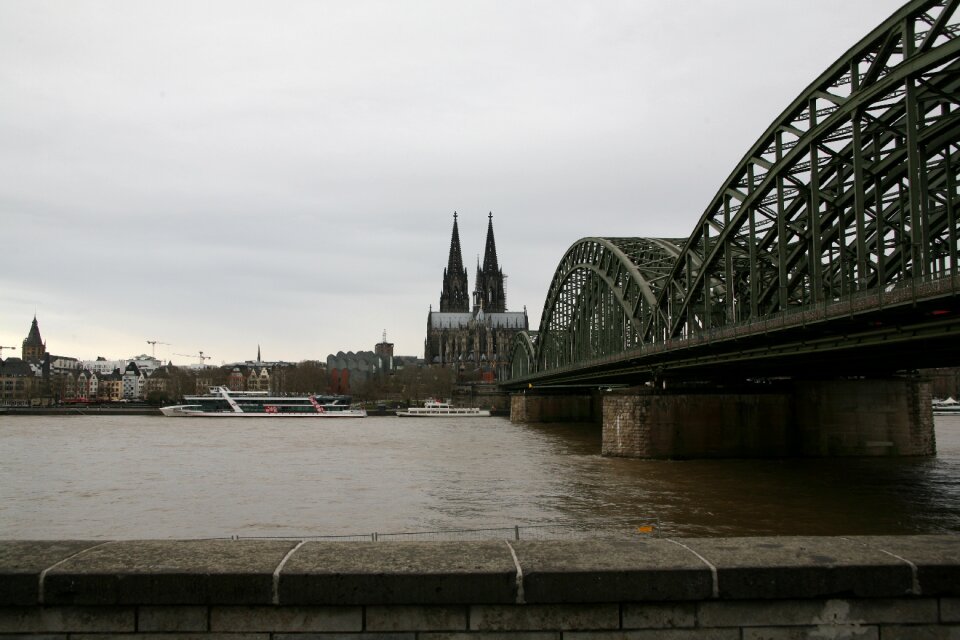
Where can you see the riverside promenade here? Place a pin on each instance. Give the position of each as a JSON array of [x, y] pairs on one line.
[[686, 588]]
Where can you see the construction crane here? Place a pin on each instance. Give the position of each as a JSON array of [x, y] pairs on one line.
[[2, 348], [194, 355], [153, 346]]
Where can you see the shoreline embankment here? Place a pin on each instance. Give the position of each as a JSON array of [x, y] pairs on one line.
[[601, 589]]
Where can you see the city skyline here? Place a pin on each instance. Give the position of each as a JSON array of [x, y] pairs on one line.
[[230, 175]]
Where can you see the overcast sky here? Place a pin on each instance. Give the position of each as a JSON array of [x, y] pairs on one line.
[[221, 174]]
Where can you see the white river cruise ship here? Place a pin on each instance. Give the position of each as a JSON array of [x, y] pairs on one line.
[[223, 403]]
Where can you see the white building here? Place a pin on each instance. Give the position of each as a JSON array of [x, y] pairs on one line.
[[146, 364], [133, 381]]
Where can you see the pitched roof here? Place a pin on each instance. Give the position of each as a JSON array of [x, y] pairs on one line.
[[33, 338]]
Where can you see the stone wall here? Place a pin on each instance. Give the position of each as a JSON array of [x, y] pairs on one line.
[[874, 417], [865, 417], [709, 425], [533, 407], [628, 589]]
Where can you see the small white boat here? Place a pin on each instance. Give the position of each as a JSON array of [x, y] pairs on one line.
[[223, 403], [946, 406], [435, 409]]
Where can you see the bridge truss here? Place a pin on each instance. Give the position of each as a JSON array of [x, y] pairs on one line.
[[852, 190]]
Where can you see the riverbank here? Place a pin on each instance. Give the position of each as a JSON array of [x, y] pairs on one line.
[[140, 411], [728, 588], [81, 411]]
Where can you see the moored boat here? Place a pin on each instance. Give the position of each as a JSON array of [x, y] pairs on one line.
[[435, 409], [223, 403], [946, 406]]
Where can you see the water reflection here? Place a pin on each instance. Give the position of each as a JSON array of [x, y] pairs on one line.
[[752, 497]]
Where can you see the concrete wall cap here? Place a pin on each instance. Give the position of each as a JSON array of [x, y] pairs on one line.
[[169, 572], [267, 572], [339, 573], [23, 561], [802, 567], [611, 570]]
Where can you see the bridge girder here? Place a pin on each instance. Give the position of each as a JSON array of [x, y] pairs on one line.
[[853, 188]]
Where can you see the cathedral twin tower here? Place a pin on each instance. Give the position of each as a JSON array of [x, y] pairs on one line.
[[477, 338], [489, 293]]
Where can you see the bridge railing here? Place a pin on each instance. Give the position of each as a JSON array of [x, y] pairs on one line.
[[903, 292]]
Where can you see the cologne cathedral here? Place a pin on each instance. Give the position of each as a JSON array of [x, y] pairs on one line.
[[476, 339]]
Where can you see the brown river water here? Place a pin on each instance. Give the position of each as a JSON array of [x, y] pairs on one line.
[[88, 477]]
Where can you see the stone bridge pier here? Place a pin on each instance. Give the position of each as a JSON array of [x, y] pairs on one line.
[[808, 418], [812, 418], [556, 406]]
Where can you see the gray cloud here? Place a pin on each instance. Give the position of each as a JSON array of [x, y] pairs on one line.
[[222, 174]]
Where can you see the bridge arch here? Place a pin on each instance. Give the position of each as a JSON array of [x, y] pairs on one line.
[[523, 354], [852, 187], [600, 296]]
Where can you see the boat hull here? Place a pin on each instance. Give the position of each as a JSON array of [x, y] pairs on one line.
[[177, 412], [479, 413]]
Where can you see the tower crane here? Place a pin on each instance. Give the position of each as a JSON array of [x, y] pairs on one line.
[[153, 346], [194, 355], [2, 348]]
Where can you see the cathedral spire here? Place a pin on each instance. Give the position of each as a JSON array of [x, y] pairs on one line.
[[489, 292], [454, 297], [455, 261], [490, 253]]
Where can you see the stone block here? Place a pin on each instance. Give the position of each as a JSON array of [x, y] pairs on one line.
[[764, 613], [169, 572], [544, 617], [416, 618], [66, 619], [920, 632], [833, 632], [937, 558], [659, 615], [22, 562], [802, 567], [286, 619], [172, 636], [950, 609], [493, 635], [656, 634], [379, 573], [345, 636], [172, 618], [610, 571]]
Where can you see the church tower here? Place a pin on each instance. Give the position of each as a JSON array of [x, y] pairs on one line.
[[454, 297], [33, 346], [489, 293]]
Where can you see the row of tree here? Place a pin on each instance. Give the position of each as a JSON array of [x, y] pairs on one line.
[[410, 385]]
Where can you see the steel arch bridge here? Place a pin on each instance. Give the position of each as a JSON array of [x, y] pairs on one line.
[[846, 206]]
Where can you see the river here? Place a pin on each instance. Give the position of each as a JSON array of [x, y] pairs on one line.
[[112, 477]]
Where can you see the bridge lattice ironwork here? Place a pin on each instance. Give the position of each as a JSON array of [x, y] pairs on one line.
[[852, 189]]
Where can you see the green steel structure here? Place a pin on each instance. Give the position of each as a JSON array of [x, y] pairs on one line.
[[845, 207]]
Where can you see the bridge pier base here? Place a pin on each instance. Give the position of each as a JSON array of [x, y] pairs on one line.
[[535, 407], [892, 417], [834, 418]]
